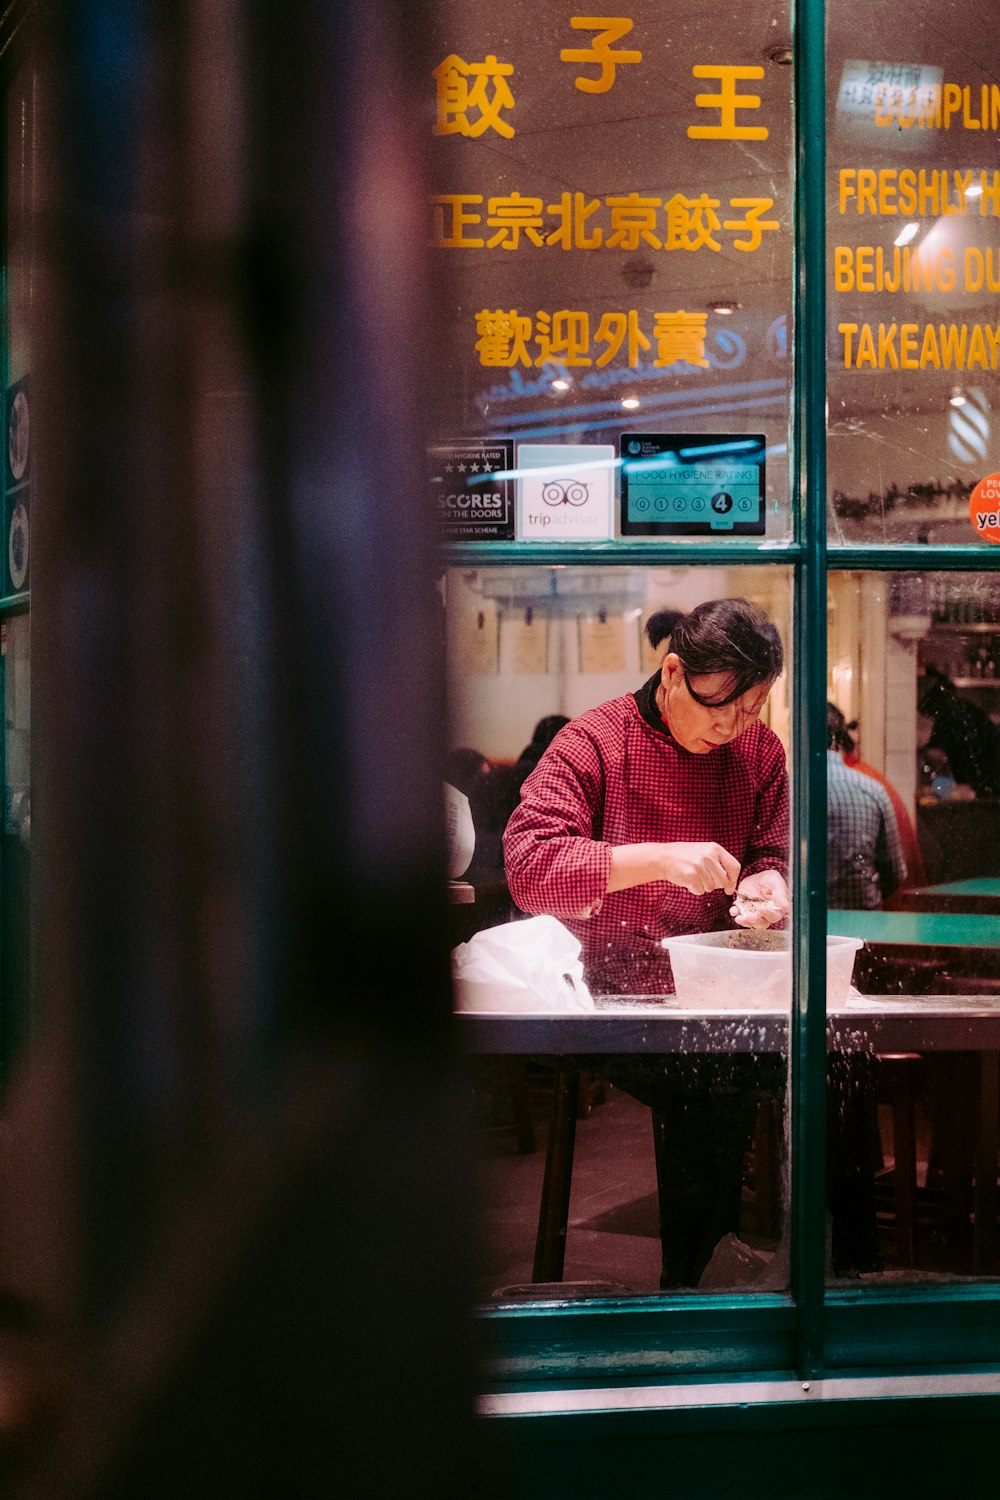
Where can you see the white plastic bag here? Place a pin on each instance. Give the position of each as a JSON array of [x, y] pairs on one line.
[[530, 966]]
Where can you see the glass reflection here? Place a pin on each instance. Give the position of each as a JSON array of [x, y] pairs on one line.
[[913, 197], [914, 872], [635, 817], [608, 262]]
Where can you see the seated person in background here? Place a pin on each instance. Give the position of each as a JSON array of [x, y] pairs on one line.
[[644, 818], [965, 733], [544, 733], [865, 861], [843, 741], [512, 778]]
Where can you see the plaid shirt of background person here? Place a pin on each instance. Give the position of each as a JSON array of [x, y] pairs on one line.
[[865, 861]]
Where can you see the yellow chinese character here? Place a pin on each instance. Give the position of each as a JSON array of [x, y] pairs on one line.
[[450, 219], [727, 101], [611, 29], [690, 222], [455, 96], [633, 219], [680, 336], [573, 211], [503, 338], [563, 338], [613, 330], [752, 222], [513, 216]]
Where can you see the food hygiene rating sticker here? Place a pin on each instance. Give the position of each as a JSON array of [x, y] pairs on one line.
[[984, 508]]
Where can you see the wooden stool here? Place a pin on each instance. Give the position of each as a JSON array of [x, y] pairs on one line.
[[903, 1072], [765, 1164]]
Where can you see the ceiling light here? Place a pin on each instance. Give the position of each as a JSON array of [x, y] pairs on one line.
[[630, 403], [782, 55], [906, 234], [725, 307], [560, 384], [975, 190], [957, 399]]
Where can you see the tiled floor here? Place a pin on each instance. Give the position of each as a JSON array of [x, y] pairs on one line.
[[613, 1233], [613, 1227]]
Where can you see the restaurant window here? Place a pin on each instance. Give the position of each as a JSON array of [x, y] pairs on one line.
[[914, 273], [621, 246], [611, 226], [912, 205], [632, 1119], [913, 793]]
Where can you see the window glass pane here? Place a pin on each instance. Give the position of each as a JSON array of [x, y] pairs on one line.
[[914, 269], [611, 229], [15, 572], [914, 877], [611, 223], [667, 1067]]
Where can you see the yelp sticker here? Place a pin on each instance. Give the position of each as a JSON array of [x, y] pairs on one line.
[[984, 508]]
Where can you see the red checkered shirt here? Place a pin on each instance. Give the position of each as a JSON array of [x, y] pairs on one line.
[[616, 775]]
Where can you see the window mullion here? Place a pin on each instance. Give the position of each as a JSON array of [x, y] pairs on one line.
[[808, 1035]]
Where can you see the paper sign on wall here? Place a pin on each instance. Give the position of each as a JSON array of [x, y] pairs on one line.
[[565, 491], [476, 645], [602, 643], [524, 645]]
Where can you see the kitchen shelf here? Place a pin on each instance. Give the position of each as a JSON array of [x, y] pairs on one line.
[[952, 627]]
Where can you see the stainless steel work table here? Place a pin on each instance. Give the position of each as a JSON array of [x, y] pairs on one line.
[[659, 1024]]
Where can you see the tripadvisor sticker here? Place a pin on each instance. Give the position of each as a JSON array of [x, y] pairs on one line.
[[984, 508]]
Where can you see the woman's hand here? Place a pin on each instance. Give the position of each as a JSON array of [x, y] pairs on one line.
[[761, 900], [698, 868]]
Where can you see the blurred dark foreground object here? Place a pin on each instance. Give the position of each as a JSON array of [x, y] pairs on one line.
[[234, 1188]]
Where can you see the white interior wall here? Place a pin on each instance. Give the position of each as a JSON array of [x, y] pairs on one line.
[[496, 710], [872, 671], [875, 742]]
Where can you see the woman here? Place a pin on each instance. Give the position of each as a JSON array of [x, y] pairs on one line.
[[643, 820], [646, 815]]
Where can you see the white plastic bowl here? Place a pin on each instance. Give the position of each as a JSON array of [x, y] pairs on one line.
[[750, 970]]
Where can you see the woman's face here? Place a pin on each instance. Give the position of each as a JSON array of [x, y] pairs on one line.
[[693, 725]]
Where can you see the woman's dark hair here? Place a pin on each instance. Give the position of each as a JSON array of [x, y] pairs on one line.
[[661, 625], [731, 636]]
